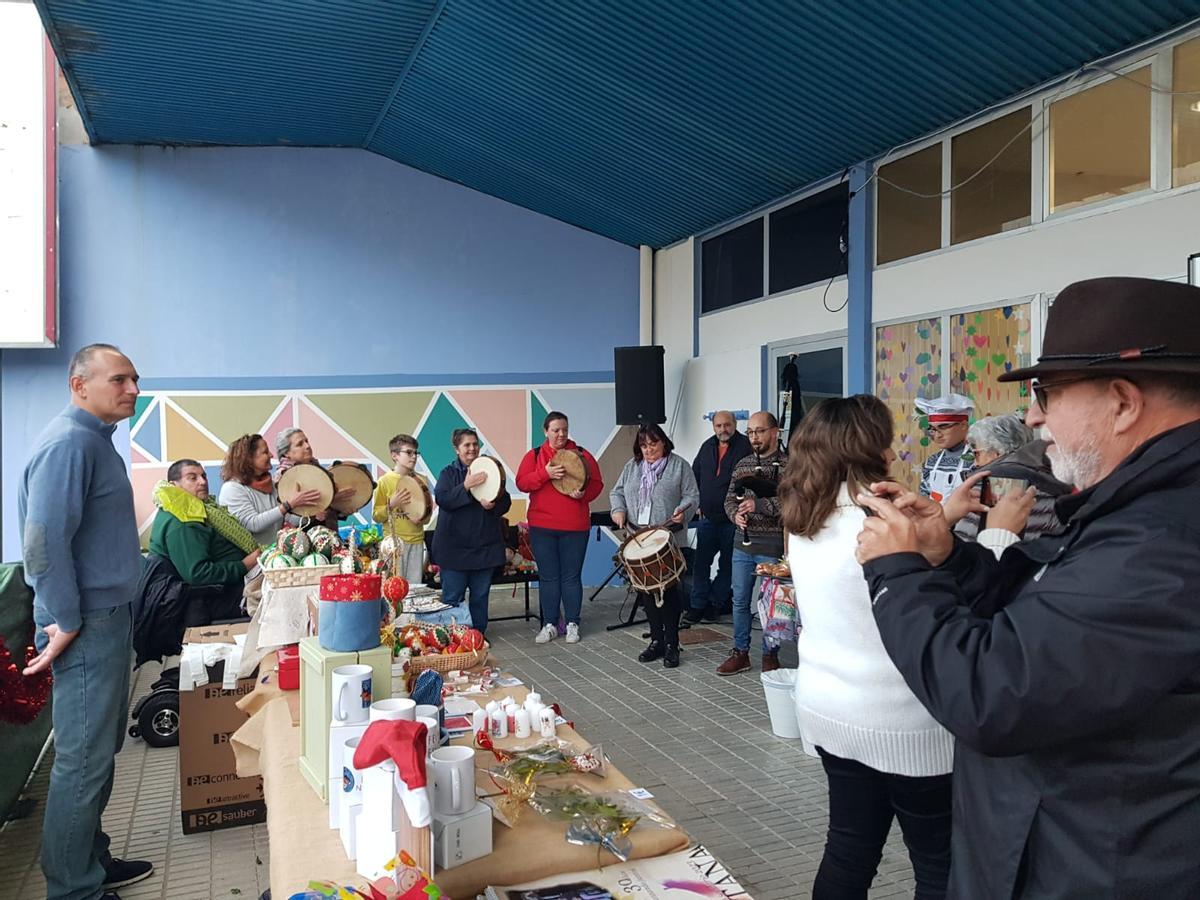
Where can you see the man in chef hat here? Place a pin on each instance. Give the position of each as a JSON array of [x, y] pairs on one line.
[[948, 423]]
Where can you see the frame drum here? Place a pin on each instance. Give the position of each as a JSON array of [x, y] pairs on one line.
[[576, 478], [306, 477], [352, 475], [419, 508], [491, 488]]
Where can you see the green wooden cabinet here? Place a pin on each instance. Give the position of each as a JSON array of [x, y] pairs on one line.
[[316, 702]]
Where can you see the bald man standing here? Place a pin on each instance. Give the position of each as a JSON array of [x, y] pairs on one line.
[[713, 467]]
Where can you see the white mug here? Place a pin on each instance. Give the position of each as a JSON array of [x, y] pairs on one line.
[[453, 771], [428, 709], [434, 738], [394, 708], [351, 693]]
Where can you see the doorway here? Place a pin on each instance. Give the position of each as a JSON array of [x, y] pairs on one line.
[[820, 372]]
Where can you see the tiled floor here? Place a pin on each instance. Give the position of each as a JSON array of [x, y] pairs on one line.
[[701, 744]]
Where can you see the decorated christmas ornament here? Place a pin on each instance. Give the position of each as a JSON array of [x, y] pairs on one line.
[[295, 543], [315, 559], [323, 540], [281, 561], [351, 564], [471, 639], [395, 588]]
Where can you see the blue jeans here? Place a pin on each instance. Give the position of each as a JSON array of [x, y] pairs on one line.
[[559, 556], [712, 538], [90, 706], [456, 582], [744, 580]]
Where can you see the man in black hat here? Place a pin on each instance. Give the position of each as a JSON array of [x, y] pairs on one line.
[[1069, 670]]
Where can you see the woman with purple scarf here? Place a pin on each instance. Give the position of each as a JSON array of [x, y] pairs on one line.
[[657, 487]]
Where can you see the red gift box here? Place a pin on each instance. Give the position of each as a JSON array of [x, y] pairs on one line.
[[289, 667], [351, 587]]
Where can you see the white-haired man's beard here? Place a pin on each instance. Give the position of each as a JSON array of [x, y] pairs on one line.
[[1079, 468]]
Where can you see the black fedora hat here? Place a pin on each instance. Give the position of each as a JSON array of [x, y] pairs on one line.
[[1120, 326]]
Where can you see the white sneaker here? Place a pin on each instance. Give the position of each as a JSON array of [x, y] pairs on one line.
[[547, 634], [572, 633]]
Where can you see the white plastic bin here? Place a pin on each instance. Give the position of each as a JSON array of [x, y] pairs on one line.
[[780, 689]]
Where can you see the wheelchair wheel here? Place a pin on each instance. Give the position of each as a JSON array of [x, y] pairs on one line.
[[158, 719]]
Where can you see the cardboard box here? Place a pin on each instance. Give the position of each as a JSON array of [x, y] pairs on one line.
[[462, 838], [211, 795]]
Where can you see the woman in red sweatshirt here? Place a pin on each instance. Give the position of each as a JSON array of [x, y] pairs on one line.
[[558, 527]]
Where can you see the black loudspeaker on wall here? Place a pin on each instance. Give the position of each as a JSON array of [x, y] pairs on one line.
[[639, 377]]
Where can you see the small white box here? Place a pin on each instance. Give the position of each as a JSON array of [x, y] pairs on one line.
[[382, 807], [338, 735], [349, 830], [462, 838], [375, 848], [335, 807]]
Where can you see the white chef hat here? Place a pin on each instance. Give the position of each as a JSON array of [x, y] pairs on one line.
[[947, 408]]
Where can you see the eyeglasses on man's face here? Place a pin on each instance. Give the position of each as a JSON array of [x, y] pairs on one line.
[[941, 427], [1041, 390], [755, 432]]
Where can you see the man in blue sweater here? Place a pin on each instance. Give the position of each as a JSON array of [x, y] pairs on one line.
[[82, 558]]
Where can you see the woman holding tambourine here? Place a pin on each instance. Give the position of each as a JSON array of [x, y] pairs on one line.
[[657, 488], [468, 544], [561, 479]]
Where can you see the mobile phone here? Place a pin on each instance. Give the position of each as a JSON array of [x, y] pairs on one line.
[[986, 496]]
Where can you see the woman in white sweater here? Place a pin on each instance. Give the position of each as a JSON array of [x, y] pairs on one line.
[[884, 756], [248, 491]]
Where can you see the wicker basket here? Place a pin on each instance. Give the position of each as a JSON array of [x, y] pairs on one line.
[[448, 662], [297, 576]]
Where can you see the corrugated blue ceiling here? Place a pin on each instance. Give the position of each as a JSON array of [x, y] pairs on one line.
[[644, 122]]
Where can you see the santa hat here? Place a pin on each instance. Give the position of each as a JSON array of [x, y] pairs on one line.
[[948, 408], [401, 743]]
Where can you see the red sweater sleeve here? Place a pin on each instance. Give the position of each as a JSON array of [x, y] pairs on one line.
[[531, 475], [595, 480]]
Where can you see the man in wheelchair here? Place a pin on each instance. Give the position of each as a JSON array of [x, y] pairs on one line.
[[193, 575]]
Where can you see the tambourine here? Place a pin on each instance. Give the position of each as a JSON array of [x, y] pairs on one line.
[[306, 477], [576, 478]]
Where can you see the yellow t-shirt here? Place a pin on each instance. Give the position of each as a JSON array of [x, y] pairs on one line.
[[408, 531]]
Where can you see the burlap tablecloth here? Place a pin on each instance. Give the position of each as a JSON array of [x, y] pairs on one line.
[[303, 847]]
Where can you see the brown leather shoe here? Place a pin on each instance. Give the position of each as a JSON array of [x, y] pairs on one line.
[[738, 661], [770, 662]]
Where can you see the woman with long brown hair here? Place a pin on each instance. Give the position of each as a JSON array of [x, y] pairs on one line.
[[248, 491], [884, 756]]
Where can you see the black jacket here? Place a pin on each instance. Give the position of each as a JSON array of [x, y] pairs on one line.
[[467, 536], [714, 481], [1069, 672]]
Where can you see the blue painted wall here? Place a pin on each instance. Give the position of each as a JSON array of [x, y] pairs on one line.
[[238, 265]]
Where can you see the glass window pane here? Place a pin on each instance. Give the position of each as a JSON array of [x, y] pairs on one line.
[[909, 225], [1100, 142], [1185, 118], [997, 199], [805, 239], [732, 267]]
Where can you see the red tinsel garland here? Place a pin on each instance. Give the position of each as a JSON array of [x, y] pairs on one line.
[[21, 698]]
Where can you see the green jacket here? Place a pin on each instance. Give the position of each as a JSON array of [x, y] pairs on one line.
[[199, 554]]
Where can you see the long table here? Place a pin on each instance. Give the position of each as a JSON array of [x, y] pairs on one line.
[[304, 848]]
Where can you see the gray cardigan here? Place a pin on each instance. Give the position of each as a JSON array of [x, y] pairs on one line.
[[675, 490]]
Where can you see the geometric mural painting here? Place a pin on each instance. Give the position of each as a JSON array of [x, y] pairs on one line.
[[356, 425], [984, 345]]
